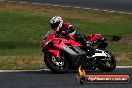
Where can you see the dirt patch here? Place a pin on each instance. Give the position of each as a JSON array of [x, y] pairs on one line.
[[126, 39], [123, 56], [90, 15]]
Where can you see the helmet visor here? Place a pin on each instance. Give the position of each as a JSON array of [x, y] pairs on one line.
[[54, 25]]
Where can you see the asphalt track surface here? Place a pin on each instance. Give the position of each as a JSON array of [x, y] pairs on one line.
[[47, 79], [111, 5]]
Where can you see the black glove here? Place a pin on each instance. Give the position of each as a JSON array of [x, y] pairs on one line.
[[57, 35]]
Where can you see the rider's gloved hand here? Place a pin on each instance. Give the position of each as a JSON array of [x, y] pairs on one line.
[[57, 35]]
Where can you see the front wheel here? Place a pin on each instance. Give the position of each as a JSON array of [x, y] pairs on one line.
[[57, 65], [107, 64]]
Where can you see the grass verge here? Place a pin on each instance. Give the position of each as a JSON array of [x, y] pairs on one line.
[[21, 62]]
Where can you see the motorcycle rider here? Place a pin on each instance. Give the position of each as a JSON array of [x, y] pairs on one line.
[[67, 29]]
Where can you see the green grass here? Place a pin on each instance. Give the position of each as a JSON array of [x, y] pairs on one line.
[[21, 31]]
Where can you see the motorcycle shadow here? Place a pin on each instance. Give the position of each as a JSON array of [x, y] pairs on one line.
[[47, 71], [69, 72]]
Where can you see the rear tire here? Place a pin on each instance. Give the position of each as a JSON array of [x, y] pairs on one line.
[[53, 67], [103, 67]]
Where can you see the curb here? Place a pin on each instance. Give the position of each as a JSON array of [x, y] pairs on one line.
[[123, 66]]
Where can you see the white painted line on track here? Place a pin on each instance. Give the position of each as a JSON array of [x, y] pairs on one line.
[[87, 8], [105, 10], [77, 7], [74, 7], [23, 2], [112, 11], [123, 66], [96, 9]]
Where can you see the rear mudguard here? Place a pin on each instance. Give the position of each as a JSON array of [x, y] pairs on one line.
[[76, 56]]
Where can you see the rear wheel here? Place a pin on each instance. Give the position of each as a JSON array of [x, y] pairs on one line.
[[57, 65], [107, 64]]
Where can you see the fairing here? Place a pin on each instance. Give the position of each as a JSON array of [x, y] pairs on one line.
[[71, 48]]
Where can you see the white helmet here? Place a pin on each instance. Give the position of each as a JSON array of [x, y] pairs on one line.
[[56, 22]]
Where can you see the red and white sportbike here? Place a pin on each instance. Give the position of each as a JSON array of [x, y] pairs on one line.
[[62, 54]]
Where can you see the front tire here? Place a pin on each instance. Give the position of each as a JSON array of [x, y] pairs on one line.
[[53, 67], [102, 65]]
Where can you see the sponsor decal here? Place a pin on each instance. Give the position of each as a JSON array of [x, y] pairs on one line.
[[82, 78]]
